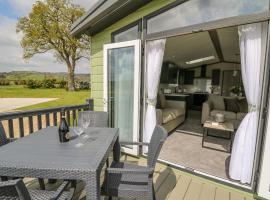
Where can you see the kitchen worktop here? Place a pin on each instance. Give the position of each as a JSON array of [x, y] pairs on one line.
[[185, 93]]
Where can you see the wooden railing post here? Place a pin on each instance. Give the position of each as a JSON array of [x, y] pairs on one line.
[[90, 102]]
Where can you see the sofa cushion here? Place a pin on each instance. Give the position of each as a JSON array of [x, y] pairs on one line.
[[240, 116], [169, 114], [217, 101], [227, 114], [231, 104], [243, 105], [162, 99]]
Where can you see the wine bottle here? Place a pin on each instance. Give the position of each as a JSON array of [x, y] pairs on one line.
[[63, 130]]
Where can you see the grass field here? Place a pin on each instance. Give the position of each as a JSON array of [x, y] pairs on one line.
[[64, 97]]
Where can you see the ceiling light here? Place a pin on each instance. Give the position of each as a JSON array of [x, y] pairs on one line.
[[200, 60]]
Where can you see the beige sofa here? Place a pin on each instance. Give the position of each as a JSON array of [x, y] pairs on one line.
[[216, 104], [170, 114]]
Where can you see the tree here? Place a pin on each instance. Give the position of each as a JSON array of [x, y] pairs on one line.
[[47, 29]]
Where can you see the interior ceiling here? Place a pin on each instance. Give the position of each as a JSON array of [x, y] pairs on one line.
[[221, 43]]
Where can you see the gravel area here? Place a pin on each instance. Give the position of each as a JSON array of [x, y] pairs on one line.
[[11, 104]]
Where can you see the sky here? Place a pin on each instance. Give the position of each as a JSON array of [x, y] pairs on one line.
[[10, 50]]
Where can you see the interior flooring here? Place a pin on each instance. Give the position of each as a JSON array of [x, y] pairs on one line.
[[184, 147], [172, 184]]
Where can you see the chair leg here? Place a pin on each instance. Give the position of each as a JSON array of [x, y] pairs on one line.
[[41, 184]]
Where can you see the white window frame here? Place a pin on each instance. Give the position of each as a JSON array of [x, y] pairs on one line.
[[133, 150]]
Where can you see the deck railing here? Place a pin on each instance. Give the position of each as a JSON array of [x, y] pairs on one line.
[[19, 124]]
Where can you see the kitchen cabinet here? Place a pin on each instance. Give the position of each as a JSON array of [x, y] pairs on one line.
[[216, 77], [189, 77], [169, 73]]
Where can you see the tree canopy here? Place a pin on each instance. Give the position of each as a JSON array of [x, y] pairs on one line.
[[47, 28]]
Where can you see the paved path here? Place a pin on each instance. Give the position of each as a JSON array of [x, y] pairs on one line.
[[9, 104]]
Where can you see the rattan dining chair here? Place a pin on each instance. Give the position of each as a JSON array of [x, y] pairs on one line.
[[133, 181], [16, 190], [5, 140], [96, 118]]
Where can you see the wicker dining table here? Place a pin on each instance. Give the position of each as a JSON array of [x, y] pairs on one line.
[[41, 155]]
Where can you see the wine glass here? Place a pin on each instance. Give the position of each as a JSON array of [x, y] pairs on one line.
[[85, 122]]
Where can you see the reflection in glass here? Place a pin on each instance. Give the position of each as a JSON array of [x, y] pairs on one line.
[[121, 90], [127, 35], [199, 11]]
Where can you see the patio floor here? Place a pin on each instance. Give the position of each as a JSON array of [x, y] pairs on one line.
[[173, 184]]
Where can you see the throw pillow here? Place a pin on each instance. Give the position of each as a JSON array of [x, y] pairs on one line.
[[162, 100], [217, 101], [231, 104], [243, 105], [158, 106]]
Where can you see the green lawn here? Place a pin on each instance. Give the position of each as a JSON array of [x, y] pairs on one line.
[[65, 98]]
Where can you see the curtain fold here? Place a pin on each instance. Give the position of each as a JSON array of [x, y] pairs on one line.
[[252, 39], [155, 52]]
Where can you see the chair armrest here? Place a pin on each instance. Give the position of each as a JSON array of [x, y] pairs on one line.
[[148, 171], [134, 143], [60, 190], [206, 109], [159, 116]]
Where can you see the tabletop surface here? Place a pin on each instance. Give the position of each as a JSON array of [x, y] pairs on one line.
[[42, 149], [226, 126]]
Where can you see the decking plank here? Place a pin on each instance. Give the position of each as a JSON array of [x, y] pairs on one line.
[[208, 192], [181, 188], [236, 196], [167, 185], [222, 194], [170, 184], [194, 190]]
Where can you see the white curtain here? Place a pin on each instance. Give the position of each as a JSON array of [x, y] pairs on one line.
[[155, 51], [252, 39]]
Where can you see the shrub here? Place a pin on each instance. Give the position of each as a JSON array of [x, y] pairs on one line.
[[62, 84], [82, 85], [33, 84], [48, 83], [4, 82]]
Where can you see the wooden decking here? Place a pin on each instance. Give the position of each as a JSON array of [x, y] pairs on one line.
[[173, 184]]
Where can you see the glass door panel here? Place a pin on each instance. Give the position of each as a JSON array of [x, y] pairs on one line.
[[121, 89]]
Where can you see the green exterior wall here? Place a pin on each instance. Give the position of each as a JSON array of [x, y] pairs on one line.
[[104, 37]]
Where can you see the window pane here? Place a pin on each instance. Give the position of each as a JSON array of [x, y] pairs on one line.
[[199, 11], [130, 34], [121, 90]]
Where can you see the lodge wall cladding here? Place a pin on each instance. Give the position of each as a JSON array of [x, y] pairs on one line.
[[104, 37]]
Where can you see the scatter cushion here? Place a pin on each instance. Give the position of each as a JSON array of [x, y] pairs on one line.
[[162, 98], [231, 104], [240, 116], [158, 106], [217, 101], [243, 105]]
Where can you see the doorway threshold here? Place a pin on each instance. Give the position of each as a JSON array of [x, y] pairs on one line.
[[219, 180]]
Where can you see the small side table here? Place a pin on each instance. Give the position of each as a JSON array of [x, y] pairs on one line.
[[226, 127]]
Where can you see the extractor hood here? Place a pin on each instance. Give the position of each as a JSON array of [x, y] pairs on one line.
[[203, 73]]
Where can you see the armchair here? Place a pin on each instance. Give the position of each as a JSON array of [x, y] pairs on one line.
[[134, 181]]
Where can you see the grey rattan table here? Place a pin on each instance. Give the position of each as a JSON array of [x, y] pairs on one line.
[[41, 155]]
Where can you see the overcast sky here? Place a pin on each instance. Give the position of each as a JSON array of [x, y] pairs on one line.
[[10, 49]]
